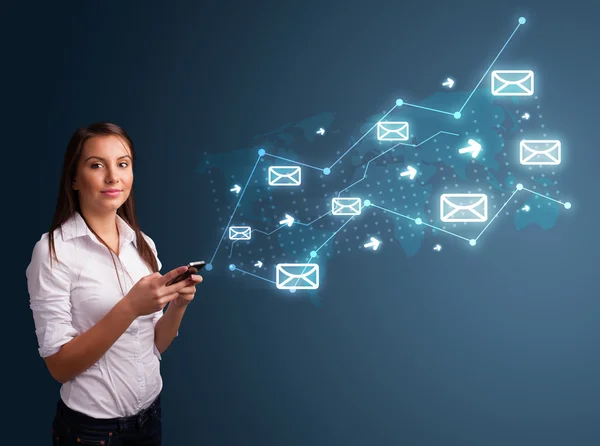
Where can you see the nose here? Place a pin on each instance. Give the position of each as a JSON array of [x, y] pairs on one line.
[[111, 176]]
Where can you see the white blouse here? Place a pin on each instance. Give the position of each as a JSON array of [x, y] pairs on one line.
[[73, 296]]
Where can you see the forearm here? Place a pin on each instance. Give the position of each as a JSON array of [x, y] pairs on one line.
[[167, 326], [83, 351]]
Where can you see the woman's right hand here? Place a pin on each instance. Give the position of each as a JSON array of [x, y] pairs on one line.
[[151, 294]]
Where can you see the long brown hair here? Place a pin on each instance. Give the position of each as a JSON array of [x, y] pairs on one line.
[[68, 201]]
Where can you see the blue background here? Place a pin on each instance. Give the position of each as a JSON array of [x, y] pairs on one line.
[[494, 346]]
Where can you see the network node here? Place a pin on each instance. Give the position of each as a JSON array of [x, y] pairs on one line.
[[519, 186], [472, 242], [457, 115], [567, 205], [367, 203], [313, 253], [399, 102], [292, 290], [522, 20], [418, 221], [261, 152], [327, 171], [208, 267], [232, 267]]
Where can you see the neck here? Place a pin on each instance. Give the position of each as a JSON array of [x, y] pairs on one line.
[[105, 225]]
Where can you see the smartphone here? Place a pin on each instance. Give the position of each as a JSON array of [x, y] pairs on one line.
[[193, 268]]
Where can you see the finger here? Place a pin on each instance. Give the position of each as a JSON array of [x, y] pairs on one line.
[[167, 298], [187, 290], [197, 278], [176, 287], [171, 275]]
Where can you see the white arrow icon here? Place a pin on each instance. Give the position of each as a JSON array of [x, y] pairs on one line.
[[410, 171], [525, 208], [374, 243], [449, 83], [321, 131], [437, 248], [525, 116], [474, 147], [288, 220], [258, 264], [235, 189]]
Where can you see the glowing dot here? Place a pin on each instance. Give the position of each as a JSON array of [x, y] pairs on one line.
[[232, 267], [261, 152], [367, 203], [522, 20], [399, 102], [208, 267], [457, 115], [418, 221], [327, 171], [313, 253], [292, 290], [519, 186], [567, 205], [472, 242]]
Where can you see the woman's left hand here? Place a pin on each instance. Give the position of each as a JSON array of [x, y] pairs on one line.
[[186, 294]]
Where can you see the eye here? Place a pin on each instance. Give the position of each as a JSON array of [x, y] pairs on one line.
[[124, 163], [95, 164]]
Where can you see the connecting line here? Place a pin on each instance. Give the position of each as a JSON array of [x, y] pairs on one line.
[[234, 210], [474, 89], [335, 233], [543, 196], [494, 217], [392, 148], [316, 219], [292, 161], [361, 138], [254, 275], [326, 241], [415, 220], [428, 109], [489, 68], [269, 233]]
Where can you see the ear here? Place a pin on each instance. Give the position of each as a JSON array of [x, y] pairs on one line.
[[73, 184]]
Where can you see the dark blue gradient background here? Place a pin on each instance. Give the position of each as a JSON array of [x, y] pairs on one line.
[[490, 346]]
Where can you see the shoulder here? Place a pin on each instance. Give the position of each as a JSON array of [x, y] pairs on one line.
[[41, 262], [64, 248], [41, 249]]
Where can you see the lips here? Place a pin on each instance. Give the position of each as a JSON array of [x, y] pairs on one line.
[[111, 193]]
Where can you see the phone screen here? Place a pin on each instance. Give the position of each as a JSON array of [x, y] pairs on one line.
[[193, 268]]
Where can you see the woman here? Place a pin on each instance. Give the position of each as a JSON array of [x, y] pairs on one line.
[[97, 299]]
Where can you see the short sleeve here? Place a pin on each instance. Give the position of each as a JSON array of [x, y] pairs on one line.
[[49, 299]]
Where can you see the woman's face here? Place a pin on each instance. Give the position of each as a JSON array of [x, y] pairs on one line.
[[105, 165]]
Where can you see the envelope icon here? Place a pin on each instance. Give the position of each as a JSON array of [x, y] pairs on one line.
[[392, 131], [297, 276], [240, 232], [463, 208], [512, 83], [540, 152], [346, 206], [285, 175]]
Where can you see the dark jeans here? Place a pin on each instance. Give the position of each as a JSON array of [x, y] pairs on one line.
[[74, 428]]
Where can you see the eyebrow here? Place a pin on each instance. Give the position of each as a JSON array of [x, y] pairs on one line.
[[102, 159]]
